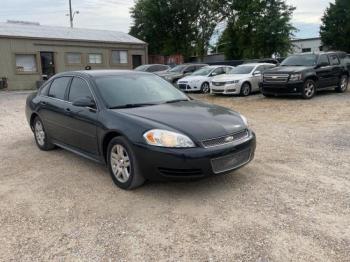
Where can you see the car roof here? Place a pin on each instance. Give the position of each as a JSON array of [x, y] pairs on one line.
[[256, 64], [99, 73]]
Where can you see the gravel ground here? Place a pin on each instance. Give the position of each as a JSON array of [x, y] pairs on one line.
[[292, 203]]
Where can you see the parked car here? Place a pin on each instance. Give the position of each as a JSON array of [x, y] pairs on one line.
[[200, 79], [153, 68], [139, 125], [180, 71], [243, 79], [304, 74]]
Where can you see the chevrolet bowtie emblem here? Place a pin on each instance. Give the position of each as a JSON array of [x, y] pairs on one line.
[[229, 139]]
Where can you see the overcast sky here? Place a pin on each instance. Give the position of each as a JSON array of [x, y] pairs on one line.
[[114, 14]]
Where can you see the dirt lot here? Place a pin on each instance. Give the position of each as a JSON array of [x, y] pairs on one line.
[[292, 203]]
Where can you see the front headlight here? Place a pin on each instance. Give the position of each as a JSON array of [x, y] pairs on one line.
[[245, 121], [232, 82], [164, 138], [295, 77]]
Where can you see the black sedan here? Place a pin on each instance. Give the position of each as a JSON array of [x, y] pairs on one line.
[[139, 125]]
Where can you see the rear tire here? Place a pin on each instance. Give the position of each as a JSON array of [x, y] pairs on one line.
[[309, 89], [122, 164], [246, 89], [343, 84], [40, 135]]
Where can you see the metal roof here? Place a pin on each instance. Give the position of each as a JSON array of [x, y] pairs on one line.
[[28, 30]]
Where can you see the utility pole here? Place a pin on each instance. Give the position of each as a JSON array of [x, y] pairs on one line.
[[70, 14]]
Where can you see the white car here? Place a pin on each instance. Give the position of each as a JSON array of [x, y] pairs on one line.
[[200, 79], [243, 79]]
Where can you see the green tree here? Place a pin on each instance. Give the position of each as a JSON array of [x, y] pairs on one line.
[[175, 26], [335, 28], [257, 29]]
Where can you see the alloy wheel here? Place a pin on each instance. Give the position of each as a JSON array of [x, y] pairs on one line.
[[205, 88], [120, 163], [343, 83], [245, 89], [309, 89], [39, 133]]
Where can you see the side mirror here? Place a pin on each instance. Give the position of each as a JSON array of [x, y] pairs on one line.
[[257, 73], [214, 74], [84, 102]]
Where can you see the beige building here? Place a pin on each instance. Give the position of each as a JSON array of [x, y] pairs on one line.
[[31, 52]]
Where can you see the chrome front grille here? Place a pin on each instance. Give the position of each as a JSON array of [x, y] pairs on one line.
[[225, 139], [278, 78]]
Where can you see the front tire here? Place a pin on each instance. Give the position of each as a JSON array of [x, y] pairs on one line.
[[246, 89], [205, 88], [40, 136], [309, 89], [122, 164], [343, 84]]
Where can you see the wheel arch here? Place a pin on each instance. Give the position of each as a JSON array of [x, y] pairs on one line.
[[31, 122], [105, 142]]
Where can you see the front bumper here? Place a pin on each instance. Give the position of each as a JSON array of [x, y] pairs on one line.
[[228, 89], [188, 87], [282, 88], [158, 163]]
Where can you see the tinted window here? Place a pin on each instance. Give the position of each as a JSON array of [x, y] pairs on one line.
[[79, 89], [323, 60], [300, 60], [58, 87], [119, 91], [219, 71], [334, 60], [45, 89], [153, 68]]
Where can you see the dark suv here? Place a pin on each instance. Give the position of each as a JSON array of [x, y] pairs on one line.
[[304, 74]]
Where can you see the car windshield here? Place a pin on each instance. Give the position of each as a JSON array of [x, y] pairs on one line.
[[141, 68], [177, 69], [203, 71], [300, 60], [241, 70], [136, 90]]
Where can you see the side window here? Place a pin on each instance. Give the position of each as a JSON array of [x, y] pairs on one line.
[[219, 71], [79, 89], [44, 90], [163, 68], [227, 69], [323, 60], [58, 87], [190, 69], [260, 68], [152, 68], [334, 60]]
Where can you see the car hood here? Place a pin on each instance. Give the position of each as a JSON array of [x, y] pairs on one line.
[[193, 78], [288, 69], [196, 119], [230, 77]]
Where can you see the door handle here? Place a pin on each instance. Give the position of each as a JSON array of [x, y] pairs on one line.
[[43, 103], [68, 109]]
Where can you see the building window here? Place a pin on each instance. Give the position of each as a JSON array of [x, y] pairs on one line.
[[306, 50], [95, 58], [119, 57], [73, 58], [26, 63]]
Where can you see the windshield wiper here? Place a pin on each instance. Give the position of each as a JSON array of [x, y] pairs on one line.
[[133, 105], [175, 101]]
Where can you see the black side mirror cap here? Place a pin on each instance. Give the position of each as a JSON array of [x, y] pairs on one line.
[[84, 102]]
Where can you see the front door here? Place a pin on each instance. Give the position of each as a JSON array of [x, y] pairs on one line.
[[47, 64], [136, 60], [82, 121]]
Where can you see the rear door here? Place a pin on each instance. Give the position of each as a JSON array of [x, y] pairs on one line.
[[82, 121], [324, 71], [52, 109], [336, 69]]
